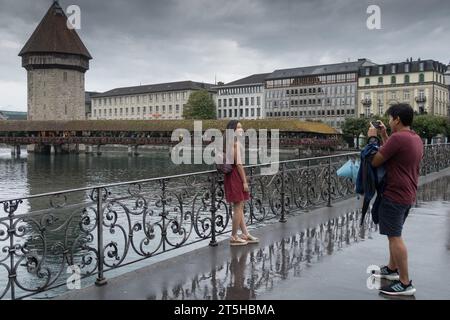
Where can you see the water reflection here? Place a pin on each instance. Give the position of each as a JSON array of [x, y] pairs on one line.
[[436, 190], [250, 272]]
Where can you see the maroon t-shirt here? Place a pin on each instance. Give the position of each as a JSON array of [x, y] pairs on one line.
[[403, 152]]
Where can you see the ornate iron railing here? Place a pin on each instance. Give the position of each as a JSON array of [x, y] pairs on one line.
[[97, 229]]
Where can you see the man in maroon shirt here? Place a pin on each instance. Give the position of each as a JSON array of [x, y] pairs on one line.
[[401, 154]]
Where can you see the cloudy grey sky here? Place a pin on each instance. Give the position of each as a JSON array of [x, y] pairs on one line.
[[149, 41]]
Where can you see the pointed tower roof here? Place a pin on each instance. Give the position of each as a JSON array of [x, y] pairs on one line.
[[53, 36]]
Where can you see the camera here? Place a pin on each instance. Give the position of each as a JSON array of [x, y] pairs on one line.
[[376, 124]]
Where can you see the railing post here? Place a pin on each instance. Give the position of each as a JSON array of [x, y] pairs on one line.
[[100, 278], [11, 208], [329, 182], [212, 191], [252, 212], [282, 218], [163, 214]]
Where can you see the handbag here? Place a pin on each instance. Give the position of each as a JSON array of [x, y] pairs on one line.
[[221, 165], [349, 170]]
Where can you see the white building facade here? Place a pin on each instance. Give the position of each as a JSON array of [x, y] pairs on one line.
[[420, 83], [242, 99], [325, 92], [147, 102]]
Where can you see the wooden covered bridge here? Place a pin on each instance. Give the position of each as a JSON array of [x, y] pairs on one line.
[[81, 136]]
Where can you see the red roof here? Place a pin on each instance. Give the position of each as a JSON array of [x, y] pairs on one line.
[[53, 36]]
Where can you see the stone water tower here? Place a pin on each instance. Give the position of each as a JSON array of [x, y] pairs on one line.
[[55, 59]]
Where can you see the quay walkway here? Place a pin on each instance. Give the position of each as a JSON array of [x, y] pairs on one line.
[[321, 254]]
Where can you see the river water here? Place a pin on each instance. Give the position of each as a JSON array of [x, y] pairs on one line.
[[36, 173]]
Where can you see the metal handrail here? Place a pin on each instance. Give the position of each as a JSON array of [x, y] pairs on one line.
[[185, 174], [168, 177]]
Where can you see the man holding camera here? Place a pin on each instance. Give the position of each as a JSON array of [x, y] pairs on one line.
[[401, 154]]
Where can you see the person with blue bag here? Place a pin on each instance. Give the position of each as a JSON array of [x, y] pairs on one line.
[[401, 154]]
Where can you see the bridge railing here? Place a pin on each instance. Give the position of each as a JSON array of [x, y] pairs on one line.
[[45, 238], [85, 140], [146, 141]]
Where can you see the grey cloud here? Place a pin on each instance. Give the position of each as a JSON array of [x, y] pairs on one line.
[[154, 41]]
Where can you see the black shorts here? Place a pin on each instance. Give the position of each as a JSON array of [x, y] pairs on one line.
[[392, 216]]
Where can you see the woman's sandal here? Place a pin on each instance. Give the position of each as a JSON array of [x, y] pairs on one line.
[[238, 241], [249, 238]]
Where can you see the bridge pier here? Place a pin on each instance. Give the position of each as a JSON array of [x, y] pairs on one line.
[[80, 148], [41, 148], [15, 150], [133, 150], [88, 149], [52, 149], [65, 148], [99, 153]]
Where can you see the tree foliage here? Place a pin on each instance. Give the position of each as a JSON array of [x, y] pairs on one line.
[[200, 106], [428, 126]]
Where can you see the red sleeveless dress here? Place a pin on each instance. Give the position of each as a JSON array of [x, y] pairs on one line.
[[234, 188]]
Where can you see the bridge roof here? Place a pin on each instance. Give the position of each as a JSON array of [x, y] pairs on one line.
[[161, 125]]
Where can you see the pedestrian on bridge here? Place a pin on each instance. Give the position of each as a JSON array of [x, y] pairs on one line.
[[236, 186], [401, 153]]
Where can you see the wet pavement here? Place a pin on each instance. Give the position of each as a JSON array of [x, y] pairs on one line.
[[321, 254]]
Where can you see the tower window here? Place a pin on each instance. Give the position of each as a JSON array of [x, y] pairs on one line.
[[65, 76]]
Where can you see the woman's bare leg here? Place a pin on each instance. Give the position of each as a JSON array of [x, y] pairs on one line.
[[242, 224], [235, 222]]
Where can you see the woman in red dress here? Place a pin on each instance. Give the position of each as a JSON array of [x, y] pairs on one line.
[[236, 188]]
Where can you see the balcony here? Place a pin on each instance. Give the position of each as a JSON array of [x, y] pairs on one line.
[[421, 99], [367, 102]]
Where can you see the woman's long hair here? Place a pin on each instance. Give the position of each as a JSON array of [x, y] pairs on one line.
[[232, 124]]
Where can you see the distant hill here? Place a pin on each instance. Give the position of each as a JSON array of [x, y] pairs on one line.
[[12, 115]]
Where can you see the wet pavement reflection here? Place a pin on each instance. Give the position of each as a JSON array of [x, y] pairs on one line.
[[437, 190], [252, 270]]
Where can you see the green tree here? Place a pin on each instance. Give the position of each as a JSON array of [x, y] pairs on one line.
[[200, 106], [447, 127], [427, 126], [353, 127]]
